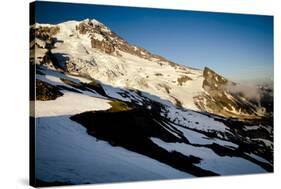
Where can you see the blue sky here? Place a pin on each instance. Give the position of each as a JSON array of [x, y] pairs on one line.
[[240, 47]]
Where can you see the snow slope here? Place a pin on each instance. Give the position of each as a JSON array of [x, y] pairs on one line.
[[91, 49], [127, 70], [66, 153]]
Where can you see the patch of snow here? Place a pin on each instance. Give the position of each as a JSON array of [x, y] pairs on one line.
[[115, 93], [254, 127], [258, 158], [194, 120], [80, 79], [98, 37], [266, 142], [211, 161], [70, 103], [198, 138]]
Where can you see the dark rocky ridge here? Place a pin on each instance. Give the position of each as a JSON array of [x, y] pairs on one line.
[[45, 32], [45, 91], [223, 102]]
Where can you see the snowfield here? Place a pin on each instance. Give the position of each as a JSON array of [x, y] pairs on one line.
[[134, 72], [192, 119], [66, 153], [69, 104]]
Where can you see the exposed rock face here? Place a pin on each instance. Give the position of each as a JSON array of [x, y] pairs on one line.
[[213, 81], [218, 100], [99, 35], [46, 33], [45, 91], [104, 46], [183, 79], [109, 42], [74, 68], [43, 42]]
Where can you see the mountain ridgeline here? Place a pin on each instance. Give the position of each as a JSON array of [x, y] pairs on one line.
[[89, 48]]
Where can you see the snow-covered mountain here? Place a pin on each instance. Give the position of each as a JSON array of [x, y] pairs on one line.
[[90, 49], [104, 104]]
